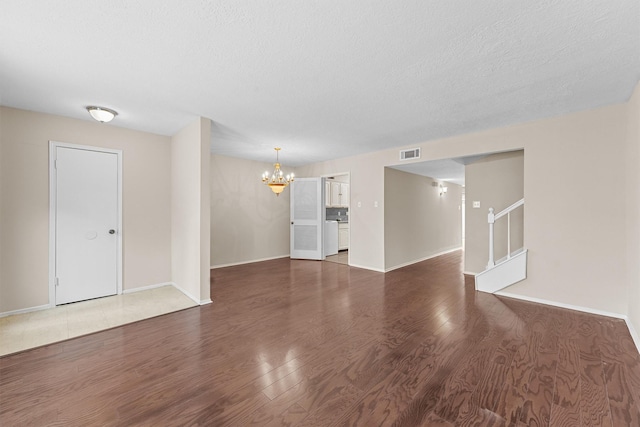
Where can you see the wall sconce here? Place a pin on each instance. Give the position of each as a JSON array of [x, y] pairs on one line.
[[441, 188]]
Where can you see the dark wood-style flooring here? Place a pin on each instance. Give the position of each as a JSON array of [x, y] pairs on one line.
[[304, 343]]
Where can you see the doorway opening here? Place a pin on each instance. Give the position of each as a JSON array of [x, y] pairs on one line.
[[337, 225], [432, 215]]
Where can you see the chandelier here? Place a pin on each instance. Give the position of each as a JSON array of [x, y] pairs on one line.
[[277, 182]]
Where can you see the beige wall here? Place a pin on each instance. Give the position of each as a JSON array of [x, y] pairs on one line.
[[574, 227], [496, 182], [366, 186], [205, 210], [581, 228], [190, 234], [418, 221], [248, 222], [24, 202], [633, 207]]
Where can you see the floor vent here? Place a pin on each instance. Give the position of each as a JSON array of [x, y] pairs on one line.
[[414, 153]]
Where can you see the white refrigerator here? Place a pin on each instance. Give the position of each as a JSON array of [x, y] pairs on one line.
[[330, 238]]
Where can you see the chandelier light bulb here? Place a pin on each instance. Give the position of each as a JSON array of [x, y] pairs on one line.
[[278, 182]]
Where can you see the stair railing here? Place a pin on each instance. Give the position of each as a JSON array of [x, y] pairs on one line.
[[492, 219]]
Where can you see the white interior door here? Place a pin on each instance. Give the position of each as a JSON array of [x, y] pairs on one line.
[[307, 218], [86, 218]]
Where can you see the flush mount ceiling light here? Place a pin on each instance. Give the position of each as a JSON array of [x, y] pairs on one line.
[[277, 181], [102, 114]]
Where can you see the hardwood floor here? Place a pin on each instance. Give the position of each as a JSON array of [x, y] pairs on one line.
[[341, 257], [304, 343]]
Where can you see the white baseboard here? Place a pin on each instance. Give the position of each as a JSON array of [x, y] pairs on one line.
[[191, 297], [126, 291], [26, 310], [423, 259], [470, 273], [562, 305], [47, 306], [248, 262], [632, 331], [160, 285], [146, 288], [379, 270], [175, 285]]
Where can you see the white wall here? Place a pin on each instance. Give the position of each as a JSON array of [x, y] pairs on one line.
[[24, 202], [190, 234], [496, 181], [632, 195], [248, 221], [418, 221]]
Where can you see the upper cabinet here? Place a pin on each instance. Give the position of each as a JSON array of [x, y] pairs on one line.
[[339, 194], [327, 193], [335, 193], [344, 194]]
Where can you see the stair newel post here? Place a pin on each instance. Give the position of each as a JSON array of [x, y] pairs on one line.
[[491, 219]]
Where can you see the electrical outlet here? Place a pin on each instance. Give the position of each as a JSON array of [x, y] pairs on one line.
[[476, 204]]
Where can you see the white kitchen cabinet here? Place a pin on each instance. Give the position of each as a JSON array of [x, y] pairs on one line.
[[327, 193], [339, 194], [343, 235], [335, 194], [344, 194]]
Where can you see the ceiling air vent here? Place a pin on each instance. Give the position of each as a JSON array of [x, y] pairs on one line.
[[414, 153]]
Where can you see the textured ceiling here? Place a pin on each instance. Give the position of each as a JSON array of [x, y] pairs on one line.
[[322, 79]]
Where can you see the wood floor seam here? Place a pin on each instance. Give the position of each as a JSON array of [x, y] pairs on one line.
[[307, 343]]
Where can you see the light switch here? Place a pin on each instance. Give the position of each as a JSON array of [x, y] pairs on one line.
[[375, 204], [476, 204], [359, 204]]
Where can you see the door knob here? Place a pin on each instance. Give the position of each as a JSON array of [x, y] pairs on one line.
[[112, 231]]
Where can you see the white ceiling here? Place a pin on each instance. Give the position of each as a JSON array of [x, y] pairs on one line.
[[322, 79]]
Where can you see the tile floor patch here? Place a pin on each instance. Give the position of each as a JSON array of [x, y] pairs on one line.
[[28, 330]]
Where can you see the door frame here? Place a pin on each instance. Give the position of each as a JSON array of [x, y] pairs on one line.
[[53, 145], [348, 174]]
